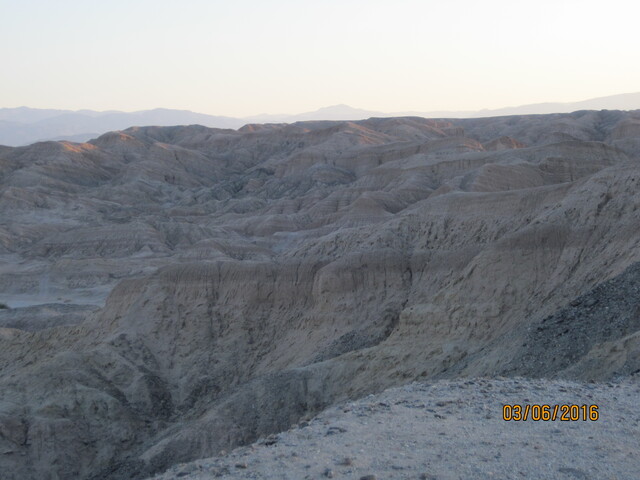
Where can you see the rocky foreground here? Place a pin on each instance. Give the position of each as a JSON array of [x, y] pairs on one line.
[[179, 291], [448, 430]]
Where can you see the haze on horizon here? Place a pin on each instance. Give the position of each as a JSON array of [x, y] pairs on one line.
[[287, 57]]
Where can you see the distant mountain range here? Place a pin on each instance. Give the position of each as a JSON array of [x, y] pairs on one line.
[[23, 125]]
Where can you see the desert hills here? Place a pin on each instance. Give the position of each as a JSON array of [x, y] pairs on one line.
[[177, 291], [22, 125]]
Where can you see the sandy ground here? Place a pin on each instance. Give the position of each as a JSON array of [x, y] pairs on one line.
[[449, 430]]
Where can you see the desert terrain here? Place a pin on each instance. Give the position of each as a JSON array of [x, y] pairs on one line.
[[447, 430], [175, 292]]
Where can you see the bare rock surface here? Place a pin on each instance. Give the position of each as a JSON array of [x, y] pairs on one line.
[[448, 430], [219, 285]]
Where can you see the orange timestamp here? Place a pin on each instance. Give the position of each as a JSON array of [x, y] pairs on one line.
[[550, 413]]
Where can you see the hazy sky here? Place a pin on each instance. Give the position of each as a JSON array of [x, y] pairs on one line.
[[249, 57]]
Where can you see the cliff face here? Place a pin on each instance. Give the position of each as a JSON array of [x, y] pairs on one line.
[[259, 275]]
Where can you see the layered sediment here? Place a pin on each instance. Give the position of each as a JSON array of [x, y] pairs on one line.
[[241, 280]]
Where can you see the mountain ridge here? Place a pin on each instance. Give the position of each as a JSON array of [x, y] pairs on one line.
[[23, 125]]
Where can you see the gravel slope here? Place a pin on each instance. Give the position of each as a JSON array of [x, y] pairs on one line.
[[448, 430]]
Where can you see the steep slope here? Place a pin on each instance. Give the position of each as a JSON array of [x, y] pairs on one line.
[[596, 336], [260, 275]]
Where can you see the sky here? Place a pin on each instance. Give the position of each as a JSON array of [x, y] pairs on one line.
[[250, 57]]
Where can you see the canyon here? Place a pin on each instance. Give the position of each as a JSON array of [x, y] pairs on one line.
[[178, 291]]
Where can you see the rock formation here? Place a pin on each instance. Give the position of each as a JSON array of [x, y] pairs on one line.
[[247, 278]]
